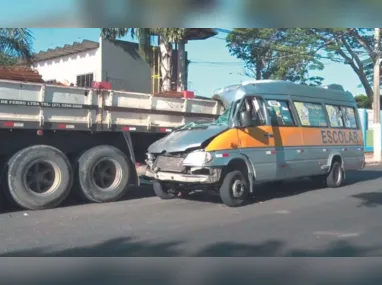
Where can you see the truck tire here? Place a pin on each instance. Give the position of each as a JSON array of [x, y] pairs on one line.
[[336, 176], [39, 177], [9, 202], [162, 192], [234, 189], [103, 173]]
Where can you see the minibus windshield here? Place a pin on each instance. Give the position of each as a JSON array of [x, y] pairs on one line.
[[222, 120]]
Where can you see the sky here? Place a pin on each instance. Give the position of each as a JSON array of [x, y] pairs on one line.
[[212, 66]]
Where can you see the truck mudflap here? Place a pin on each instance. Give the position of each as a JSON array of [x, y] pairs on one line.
[[212, 178]]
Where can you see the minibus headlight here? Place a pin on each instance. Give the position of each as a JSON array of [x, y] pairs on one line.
[[198, 158]]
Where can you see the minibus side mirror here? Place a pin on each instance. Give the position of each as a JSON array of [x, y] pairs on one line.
[[246, 119]]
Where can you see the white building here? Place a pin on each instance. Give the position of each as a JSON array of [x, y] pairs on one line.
[[118, 62]]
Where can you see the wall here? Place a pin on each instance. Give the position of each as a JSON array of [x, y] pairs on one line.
[[124, 68], [366, 117], [119, 63], [68, 67]]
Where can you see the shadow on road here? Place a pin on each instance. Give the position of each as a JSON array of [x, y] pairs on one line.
[[270, 191], [369, 174], [370, 200], [263, 192], [144, 191], [128, 247], [196, 271]]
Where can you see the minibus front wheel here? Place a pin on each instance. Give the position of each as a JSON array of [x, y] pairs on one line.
[[164, 192], [235, 189]]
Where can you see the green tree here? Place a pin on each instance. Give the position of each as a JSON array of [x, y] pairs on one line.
[[167, 36], [15, 45], [363, 101], [351, 46], [369, 71], [286, 54]]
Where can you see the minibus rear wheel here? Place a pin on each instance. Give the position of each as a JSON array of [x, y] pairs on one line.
[[336, 176], [234, 189]]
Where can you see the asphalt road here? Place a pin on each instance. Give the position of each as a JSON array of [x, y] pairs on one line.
[[293, 220]]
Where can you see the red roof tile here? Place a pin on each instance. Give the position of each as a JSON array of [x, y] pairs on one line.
[[20, 73]]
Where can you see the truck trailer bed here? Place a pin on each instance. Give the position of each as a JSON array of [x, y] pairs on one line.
[[44, 106]]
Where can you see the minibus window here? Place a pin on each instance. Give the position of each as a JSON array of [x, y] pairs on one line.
[[255, 105], [349, 116], [280, 113], [311, 114], [335, 116]]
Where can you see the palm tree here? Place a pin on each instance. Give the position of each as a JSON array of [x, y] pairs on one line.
[[167, 36], [15, 45]]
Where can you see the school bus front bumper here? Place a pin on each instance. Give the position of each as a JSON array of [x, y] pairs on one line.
[[211, 178]]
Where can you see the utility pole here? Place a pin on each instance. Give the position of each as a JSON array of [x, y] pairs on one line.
[[376, 101]]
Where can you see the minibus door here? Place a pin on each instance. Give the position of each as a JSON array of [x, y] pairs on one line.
[[257, 140]]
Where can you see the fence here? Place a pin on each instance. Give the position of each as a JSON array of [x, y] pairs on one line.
[[366, 117]]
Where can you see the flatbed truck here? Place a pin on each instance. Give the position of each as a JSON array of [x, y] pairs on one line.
[[58, 140]]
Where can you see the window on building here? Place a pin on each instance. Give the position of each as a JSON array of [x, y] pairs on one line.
[[85, 80], [311, 114], [349, 117], [335, 116], [50, 81], [280, 113]]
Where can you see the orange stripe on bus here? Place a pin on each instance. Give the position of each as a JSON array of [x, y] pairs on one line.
[[227, 140], [284, 136]]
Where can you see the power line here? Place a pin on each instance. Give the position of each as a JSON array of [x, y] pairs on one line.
[[218, 62], [218, 66], [292, 53], [215, 37], [359, 52], [223, 30]]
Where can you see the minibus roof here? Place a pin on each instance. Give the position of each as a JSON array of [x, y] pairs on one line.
[[232, 93]]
